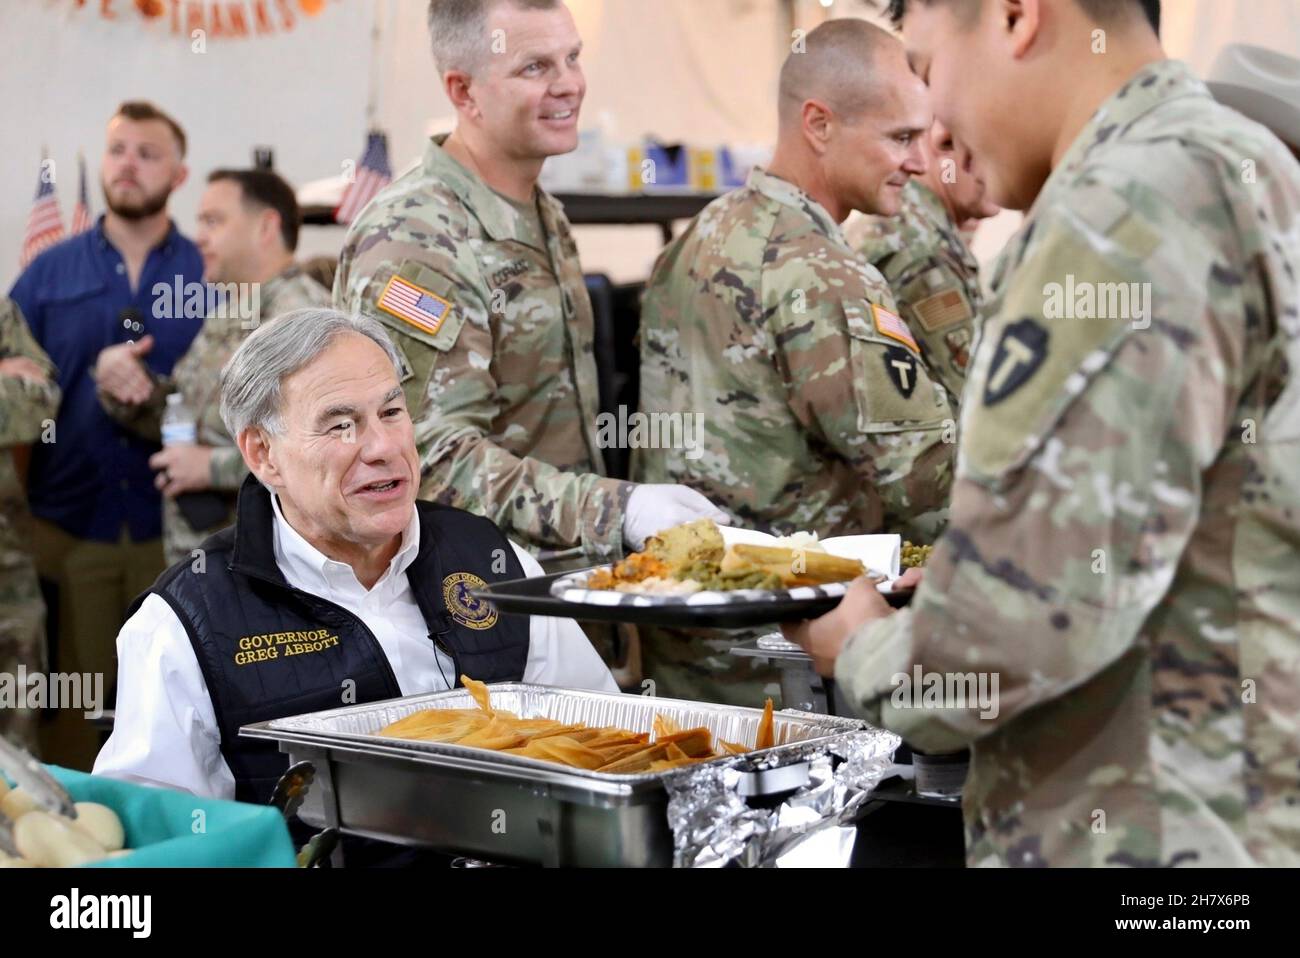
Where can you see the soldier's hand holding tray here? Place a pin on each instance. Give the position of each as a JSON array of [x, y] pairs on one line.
[[651, 508], [824, 637]]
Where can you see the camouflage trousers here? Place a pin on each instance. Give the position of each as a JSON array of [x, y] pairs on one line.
[[697, 664], [180, 539], [22, 643]]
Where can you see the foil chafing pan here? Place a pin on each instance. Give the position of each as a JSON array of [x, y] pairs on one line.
[[508, 809]]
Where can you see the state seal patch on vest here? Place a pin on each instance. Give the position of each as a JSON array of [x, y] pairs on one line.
[[464, 608]]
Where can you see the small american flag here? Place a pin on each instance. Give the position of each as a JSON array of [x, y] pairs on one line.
[[44, 223], [887, 324], [417, 306], [81, 212], [373, 174]]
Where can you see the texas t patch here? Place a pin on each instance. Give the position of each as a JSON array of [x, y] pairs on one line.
[[900, 366], [1019, 355]]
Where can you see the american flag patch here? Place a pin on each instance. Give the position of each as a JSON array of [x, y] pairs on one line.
[[942, 310], [414, 304], [887, 324]]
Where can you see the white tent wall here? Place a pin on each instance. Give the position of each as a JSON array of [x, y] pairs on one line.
[[701, 71]]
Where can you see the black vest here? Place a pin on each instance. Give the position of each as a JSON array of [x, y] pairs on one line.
[[268, 650]]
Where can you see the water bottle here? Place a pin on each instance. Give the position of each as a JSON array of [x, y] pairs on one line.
[[178, 425]]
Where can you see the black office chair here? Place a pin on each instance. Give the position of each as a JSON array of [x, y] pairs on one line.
[[617, 315]]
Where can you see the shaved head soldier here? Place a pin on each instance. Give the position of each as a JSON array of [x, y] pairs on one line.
[[923, 255], [818, 410], [1122, 562]]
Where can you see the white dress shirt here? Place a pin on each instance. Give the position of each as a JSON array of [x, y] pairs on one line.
[[165, 731]]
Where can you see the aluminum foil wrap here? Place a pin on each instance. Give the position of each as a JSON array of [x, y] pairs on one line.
[[717, 821]]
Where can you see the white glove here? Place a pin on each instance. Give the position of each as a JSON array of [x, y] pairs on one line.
[[653, 508]]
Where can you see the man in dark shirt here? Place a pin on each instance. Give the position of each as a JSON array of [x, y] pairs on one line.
[[98, 519]]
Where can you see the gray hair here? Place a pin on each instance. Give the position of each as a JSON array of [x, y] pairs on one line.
[[251, 381], [458, 30]]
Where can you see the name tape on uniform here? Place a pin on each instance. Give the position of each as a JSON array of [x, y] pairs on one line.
[[421, 308]]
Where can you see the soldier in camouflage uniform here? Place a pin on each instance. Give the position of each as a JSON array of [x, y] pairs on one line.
[[1122, 549], [241, 236], [932, 273], [29, 398], [474, 272], [818, 411]]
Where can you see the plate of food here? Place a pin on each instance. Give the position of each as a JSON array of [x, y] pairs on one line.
[[700, 575]]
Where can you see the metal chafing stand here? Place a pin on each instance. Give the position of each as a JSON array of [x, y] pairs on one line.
[[515, 810]]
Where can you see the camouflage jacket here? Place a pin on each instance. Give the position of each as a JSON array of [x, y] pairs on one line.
[[197, 377], [814, 407], [1122, 551], [496, 336], [934, 278], [24, 409]]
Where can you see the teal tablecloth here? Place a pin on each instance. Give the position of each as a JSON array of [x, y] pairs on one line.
[[169, 829]]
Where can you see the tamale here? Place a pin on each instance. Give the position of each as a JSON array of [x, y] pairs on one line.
[[663, 725], [532, 734], [418, 722], [638, 761], [795, 567], [497, 734], [569, 752], [694, 742], [478, 691], [612, 753], [560, 749], [604, 749], [604, 738], [766, 737], [438, 725]]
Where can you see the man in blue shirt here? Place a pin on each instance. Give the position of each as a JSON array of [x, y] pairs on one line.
[[98, 516]]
